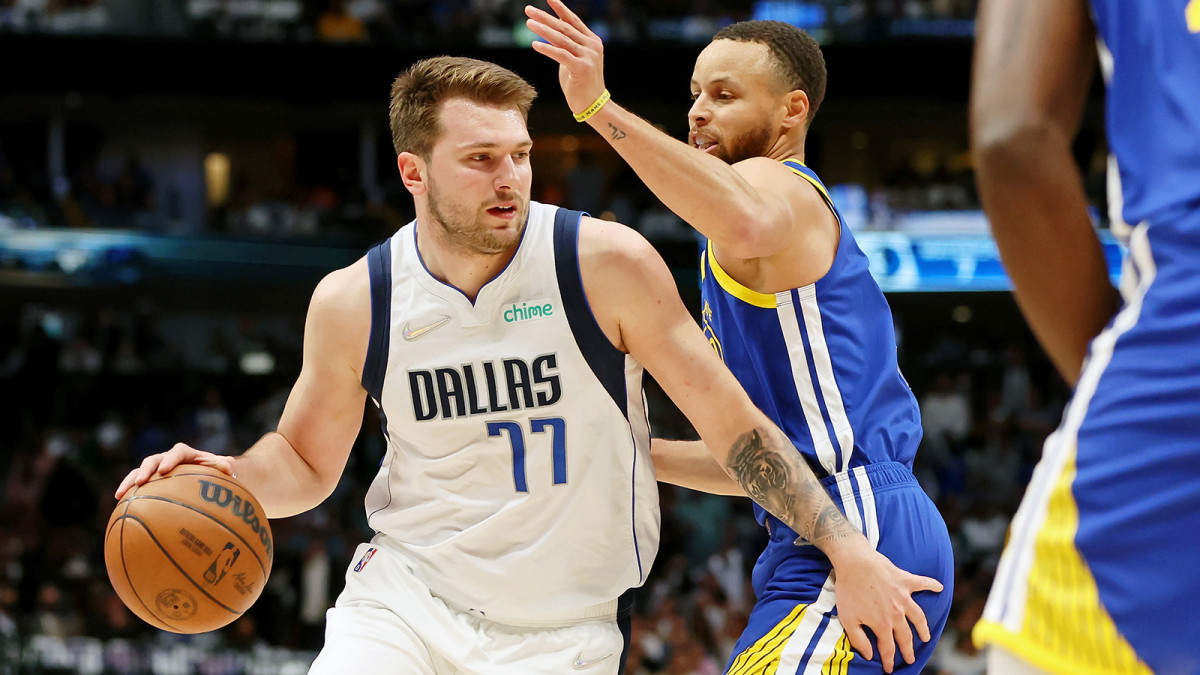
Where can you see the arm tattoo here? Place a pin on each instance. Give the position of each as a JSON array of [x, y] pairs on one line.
[[776, 478], [617, 134]]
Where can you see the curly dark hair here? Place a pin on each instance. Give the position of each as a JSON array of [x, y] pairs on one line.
[[799, 63]]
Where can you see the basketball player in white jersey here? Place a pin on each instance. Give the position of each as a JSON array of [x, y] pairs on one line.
[[503, 340]]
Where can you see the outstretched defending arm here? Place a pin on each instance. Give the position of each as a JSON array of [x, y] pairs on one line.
[[741, 207]]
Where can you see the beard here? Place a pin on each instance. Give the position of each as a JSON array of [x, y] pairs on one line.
[[464, 229], [753, 143]]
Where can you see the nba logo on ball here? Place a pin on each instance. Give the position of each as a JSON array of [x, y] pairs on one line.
[[362, 562]]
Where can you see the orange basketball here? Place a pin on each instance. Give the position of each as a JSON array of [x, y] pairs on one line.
[[190, 551]]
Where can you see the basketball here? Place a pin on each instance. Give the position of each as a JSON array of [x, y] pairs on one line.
[[190, 551]]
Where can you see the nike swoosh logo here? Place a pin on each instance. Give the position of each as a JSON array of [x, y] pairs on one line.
[[580, 664], [412, 334]]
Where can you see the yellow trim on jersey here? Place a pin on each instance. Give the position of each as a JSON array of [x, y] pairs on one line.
[[838, 663], [732, 287], [1193, 16], [1065, 629], [816, 183], [762, 657]]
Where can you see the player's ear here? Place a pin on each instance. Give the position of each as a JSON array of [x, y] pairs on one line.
[[413, 171], [797, 107]]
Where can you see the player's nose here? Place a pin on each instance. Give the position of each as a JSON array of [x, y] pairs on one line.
[[698, 114], [508, 175]]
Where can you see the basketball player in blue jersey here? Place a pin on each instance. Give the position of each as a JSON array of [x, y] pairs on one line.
[[503, 341], [1099, 575], [790, 306]]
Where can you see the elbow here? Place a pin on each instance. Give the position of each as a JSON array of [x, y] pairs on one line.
[[1004, 148]]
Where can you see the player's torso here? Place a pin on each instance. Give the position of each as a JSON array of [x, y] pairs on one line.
[[1150, 55], [820, 360], [518, 469]]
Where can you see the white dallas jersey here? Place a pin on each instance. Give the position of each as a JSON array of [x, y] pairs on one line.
[[517, 478]]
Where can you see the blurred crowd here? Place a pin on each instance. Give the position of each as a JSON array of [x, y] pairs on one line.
[[89, 393], [484, 22], [124, 193]]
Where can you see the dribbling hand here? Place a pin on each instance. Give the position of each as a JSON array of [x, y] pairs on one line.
[[163, 462]]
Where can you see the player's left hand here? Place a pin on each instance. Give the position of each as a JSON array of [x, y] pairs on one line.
[[578, 51], [874, 593]]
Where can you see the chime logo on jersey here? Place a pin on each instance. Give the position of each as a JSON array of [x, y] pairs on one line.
[[528, 311], [362, 562]]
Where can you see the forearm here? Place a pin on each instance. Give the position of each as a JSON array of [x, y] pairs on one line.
[[774, 474], [1032, 192], [279, 478], [689, 464], [701, 189]]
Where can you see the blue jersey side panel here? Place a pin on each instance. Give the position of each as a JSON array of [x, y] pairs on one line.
[[1153, 102]]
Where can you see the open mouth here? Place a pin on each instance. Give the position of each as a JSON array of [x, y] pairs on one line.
[[503, 211], [704, 144]]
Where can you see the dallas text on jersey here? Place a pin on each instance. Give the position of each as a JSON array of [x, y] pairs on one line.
[[509, 384]]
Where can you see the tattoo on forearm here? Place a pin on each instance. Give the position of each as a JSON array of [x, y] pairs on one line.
[[762, 473], [776, 479], [617, 134]]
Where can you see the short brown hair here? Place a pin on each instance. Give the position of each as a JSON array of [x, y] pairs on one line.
[[418, 93], [799, 63]]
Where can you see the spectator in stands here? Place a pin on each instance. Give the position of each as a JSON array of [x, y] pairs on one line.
[[335, 24]]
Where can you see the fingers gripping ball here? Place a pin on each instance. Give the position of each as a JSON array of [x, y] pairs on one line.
[[190, 551]]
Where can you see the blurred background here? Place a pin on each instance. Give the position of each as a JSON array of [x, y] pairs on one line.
[[177, 175]]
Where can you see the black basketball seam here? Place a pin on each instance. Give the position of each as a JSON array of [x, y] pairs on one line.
[[125, 567], [185, 574], [191, 508]]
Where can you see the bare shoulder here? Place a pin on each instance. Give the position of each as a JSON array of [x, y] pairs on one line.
[[623, 276], [345, 291], [775, 176], [339, 314], [606, 242]]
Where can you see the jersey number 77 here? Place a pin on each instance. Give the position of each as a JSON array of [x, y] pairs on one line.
[[516, 437]]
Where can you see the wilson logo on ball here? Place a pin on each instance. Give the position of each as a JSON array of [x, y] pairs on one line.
[[224, 498]]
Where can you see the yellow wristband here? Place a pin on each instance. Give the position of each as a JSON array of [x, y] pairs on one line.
[[593, 108]]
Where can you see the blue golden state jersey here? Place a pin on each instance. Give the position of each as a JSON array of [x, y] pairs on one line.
[[1150, 55], [819, 360]]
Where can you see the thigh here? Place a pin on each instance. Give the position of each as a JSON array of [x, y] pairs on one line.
[[371, 639], [387, 621], [794, 627], [596, 648]]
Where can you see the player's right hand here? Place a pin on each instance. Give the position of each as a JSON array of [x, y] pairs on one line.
[[163, 462], [578, 51], [873, 592]]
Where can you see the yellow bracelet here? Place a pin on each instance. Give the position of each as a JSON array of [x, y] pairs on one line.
[[593, 108]]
